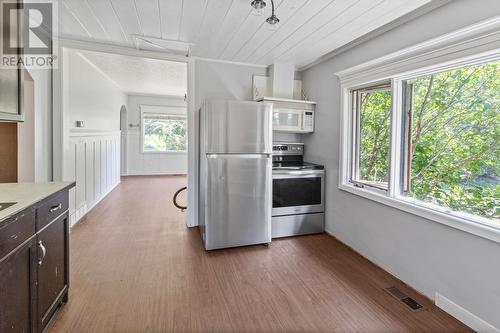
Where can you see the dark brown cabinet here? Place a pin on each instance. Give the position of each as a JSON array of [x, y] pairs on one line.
[[17, 284], [52, 272], [34, 265]]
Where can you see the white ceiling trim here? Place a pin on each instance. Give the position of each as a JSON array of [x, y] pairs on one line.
[[117, 49], [172, 97], [129, 51], [229, 62]]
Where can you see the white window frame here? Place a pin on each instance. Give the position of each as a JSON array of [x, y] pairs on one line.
[[470, 46], [174, 111], [355, 137]]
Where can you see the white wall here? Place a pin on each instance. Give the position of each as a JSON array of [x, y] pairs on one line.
[[91, 156], [91, 95], [42, 79], [139, 163], [427, 255]]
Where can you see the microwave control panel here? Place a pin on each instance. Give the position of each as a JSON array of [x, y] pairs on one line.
[[308, 121]]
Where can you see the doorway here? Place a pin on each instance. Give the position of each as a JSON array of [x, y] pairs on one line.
[[154, 125]]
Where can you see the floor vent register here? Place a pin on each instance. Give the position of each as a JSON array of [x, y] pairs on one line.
[[402, 297]]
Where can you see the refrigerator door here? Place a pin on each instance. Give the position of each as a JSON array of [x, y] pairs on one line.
[[234, 127], [238, 200]]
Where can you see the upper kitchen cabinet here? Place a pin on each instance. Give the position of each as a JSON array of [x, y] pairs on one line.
[[11, 78], [11, 90]]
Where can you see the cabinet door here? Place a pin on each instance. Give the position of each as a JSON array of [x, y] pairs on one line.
[[17, 289], [52, 278]]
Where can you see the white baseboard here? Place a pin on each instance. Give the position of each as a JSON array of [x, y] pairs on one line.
[[160, 173], [442, 302], [466, 317], [76, 216]]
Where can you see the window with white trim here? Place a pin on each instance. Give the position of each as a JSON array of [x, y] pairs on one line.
[[452, 139], [371, 136], [432, 140], [164, 132]]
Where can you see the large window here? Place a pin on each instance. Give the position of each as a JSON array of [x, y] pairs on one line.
[[452, 145], [164, 132], [438, 146]]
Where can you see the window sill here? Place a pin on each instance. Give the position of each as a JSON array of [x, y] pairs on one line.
[[451, 220], [165, 152]]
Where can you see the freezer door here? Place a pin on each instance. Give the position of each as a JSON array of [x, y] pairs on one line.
[[234, 127], [238, 200]]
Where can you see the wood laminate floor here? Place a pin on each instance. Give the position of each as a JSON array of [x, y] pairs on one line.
[[135, 267]]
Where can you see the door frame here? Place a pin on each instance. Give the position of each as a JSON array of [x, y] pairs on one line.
[[61, 128]]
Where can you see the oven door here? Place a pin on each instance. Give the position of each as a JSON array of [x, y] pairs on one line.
[[298, 192]]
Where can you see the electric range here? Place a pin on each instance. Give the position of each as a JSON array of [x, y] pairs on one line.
[[298, 192]]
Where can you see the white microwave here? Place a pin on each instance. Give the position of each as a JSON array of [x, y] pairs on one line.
[[293, 121]]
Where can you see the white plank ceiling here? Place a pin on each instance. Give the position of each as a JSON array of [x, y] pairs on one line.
[[227, 30]]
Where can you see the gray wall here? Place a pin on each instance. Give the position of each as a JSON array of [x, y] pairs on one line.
[[214, 80], [231, 81], [429, 256]]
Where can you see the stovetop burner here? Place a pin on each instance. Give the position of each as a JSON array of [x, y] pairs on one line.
[[290, 156]]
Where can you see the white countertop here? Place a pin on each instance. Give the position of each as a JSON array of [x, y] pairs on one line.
[[27, 194]]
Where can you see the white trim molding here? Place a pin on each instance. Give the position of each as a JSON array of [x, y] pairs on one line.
[[466, 317], [478, 38], [229, 62], [472, 45]]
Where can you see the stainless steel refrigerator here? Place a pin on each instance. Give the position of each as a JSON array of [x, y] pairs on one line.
[[235, 197]]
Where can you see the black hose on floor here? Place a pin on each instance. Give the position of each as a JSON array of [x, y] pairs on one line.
[[182, 208]]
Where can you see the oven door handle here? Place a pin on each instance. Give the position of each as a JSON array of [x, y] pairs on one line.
[[299, 173]]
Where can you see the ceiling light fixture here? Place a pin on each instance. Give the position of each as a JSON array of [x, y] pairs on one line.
[[273, 19], [258, 7]]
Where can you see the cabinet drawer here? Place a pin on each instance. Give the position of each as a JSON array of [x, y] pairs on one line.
[[16, 230], [51, 208]]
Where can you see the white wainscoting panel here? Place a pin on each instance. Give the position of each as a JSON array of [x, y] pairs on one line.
[[95, 159]]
